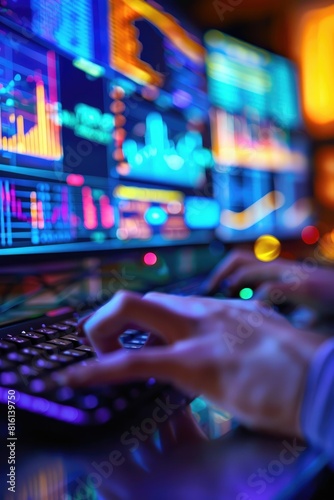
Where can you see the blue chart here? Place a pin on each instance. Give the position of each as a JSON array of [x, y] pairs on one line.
[[66, 23], [157, 152]]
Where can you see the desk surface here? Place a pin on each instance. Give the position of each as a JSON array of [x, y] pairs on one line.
[[176, 462]]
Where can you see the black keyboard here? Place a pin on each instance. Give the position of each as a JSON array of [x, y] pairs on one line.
[[31, 351]]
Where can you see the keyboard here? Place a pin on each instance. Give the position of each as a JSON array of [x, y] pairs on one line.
[[30, 351]]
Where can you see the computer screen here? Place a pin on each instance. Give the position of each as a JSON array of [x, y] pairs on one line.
[[261, 173], [94, 155], [70, 26]]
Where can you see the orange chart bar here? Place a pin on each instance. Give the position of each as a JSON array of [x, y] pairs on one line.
[[43, 139]]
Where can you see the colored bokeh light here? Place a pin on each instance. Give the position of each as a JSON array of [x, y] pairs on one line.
[[246, 293], [326, 246], [150, 259], [310, 235], [267, 248]]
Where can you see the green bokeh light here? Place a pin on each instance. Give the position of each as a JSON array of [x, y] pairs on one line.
[[246, 293]]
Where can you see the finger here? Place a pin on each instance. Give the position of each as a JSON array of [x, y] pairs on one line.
[[123, 366], [250, 275], [227, 268], [166, 299], [186, 428], [81, 324], [130, 310], [81, 332], [276, 292], [175, 303]]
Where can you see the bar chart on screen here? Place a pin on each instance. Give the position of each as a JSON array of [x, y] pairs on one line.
[[49, 212], [29, 109]]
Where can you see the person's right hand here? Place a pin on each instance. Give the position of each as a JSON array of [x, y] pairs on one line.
[[241, 355], [279, 282]]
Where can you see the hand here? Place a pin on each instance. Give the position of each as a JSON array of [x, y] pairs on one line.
[[280, 281], [240, 355]]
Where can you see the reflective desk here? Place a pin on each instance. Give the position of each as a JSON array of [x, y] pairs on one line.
[[166, 458]]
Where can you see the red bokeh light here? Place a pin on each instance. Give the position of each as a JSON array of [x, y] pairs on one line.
[[310, 235]]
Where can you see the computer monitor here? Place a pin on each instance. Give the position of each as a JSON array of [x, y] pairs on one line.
[[69, 26], [261, 173], [95, 157]]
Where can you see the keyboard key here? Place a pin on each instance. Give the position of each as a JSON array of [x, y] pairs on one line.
[[40, 385], [131, 345], [143, 337], [131, 331], [76, 354], [17, 340], [28, 372], [9, 378], [61, 343], [129, 334], [64, 394], [135, 341], [50, 333], [48, 347], [71, 322], [34, 337], [87, 402], [61, 327], [18, 357], [72, 338], [60, 358], [5, 365], [102, 415], [88, 349], [45, 364], [32, 351], [6, 346]]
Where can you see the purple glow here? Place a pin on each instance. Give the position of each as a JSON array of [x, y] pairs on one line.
[[9, 378], [182, 99], [102, 415], [48, 408], [70, 414], [151, 381], [64, 393], [40, 405], [90, 401], [3, 395], [37, 385]]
